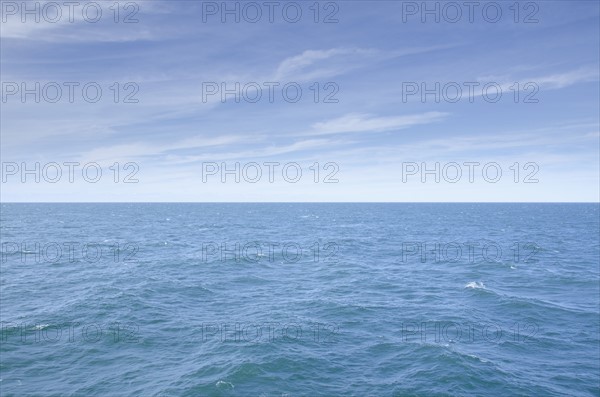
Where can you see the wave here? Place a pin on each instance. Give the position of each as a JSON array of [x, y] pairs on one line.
[[475, 285]]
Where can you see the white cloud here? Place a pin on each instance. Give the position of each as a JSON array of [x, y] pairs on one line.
[[548, 81], [356, 122], [141, 149], [70, 23], [316, 64], [294, 67]]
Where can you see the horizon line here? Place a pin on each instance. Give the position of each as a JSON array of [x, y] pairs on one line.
[[300, 202]]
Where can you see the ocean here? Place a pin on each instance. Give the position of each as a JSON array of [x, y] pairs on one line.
[[300, 299]]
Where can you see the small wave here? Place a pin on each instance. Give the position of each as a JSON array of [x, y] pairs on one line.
[[475, 285], [41, 326], [483, 360], [224, 385]]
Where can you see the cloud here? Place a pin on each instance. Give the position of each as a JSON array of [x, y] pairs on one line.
[[296, 66], [548, 81], [357, 122], [265, 152], [315, 64], [561, 80], [144, 149], [77, 22]]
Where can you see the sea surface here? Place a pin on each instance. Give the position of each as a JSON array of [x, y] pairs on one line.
[[300, 300]]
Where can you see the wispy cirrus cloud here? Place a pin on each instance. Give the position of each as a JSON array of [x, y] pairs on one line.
[[79, 22], [139, 149], [369, 54], [358, 122], [548, 81], [315, 64]]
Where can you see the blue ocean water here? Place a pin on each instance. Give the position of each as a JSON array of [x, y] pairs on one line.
[[300, 300]]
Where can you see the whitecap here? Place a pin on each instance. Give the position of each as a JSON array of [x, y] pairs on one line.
[[41, 326], [223, 384], [475, 285], [483, 360]]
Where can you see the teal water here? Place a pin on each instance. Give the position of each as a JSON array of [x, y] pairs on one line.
[[317, 300]]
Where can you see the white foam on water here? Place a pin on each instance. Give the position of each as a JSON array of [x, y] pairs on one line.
[[475, 285], [223, 384], [483, 360]]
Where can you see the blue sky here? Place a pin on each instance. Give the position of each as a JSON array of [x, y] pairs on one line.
[[369, 55]]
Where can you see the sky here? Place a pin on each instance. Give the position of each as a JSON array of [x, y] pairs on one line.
[[300, 101]]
